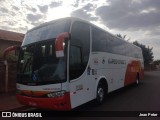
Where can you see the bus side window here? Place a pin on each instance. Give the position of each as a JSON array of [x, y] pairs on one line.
[[75, 62]]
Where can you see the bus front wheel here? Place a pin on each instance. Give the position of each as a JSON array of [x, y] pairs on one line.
[[100, 93]]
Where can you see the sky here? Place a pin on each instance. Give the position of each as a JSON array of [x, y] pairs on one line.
[[139, 20]]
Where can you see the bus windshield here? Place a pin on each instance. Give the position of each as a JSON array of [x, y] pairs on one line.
[[39, 65], [46, 31]]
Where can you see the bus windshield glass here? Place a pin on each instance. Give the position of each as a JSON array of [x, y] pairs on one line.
[[38, 64], [46, 31]]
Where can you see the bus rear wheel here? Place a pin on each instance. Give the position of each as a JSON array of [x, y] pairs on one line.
[[100, 94]]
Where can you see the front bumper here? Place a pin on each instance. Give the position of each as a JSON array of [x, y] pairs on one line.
[[58, 103]]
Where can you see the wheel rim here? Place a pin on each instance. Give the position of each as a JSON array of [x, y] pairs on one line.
[[100, 94]]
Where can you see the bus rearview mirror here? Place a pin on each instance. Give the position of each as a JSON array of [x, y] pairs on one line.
[[60, 43]]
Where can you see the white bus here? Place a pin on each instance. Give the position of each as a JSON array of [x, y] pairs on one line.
[[67, 62]]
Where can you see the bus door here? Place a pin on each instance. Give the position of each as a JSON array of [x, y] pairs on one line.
[[79, 53]]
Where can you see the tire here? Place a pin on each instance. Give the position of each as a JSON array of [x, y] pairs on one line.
[[100, 94]]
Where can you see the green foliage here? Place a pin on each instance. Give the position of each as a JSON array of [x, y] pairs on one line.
[[147, 52], [122, 37]]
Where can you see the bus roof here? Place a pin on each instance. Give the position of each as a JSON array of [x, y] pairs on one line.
[[53, 21], [78, 19]]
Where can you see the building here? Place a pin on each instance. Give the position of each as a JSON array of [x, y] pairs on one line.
[[8, 38]]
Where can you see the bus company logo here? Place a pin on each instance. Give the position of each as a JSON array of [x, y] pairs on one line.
[[6, 114]]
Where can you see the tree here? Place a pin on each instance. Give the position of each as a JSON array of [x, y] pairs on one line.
[[157, 62], [122, 37], [147, 52]]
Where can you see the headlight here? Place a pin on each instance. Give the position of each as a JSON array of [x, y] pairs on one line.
[[56, 94]]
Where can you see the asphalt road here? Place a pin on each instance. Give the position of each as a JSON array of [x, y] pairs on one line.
[[142, 97]]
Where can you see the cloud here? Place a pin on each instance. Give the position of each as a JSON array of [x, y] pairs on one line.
[[33, 17], [29, 8], [89, 7], [150, 41], [4, 10], [55, 4], [85, 12], [2, 1], [76, 4], [126, 14], [43, 9], [149, 4], [81, 13], [33, 10], [15, 8]]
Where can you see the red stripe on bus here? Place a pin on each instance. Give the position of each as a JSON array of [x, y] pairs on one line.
[[131, 72], [58, 103]]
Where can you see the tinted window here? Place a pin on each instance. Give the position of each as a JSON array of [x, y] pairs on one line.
[[76, 68], [105, 42], [99, 40], [79, 48]]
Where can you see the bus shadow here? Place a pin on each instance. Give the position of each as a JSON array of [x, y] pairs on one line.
[[89, 106]]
